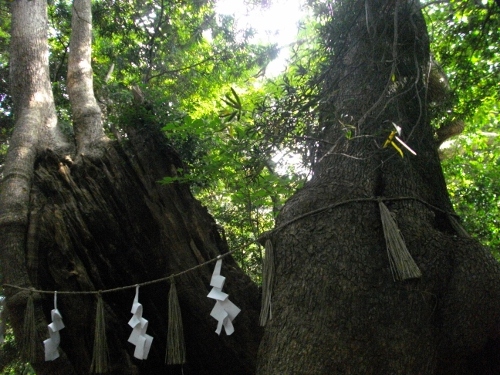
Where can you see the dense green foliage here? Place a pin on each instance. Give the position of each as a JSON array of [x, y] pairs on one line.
[[238, 132], [464, 37], [247, 141], [10, 362], [235, 130]]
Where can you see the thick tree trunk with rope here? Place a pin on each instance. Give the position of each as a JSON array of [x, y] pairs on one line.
[[107, 223], [103, 221], [336, 306]]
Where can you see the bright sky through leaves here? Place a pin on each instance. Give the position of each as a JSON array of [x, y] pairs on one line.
[[277, 23]]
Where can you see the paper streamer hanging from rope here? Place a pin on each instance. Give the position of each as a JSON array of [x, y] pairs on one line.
[[138, 337], [224, 310], [51, 344]]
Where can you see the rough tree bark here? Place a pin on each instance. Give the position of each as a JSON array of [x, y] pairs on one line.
[[102, 222], [108, 223], [336, 308]]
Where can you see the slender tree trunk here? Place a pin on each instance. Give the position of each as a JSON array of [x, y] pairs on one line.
[[336, 306], [35, 129], [87, 121], [34, 112]]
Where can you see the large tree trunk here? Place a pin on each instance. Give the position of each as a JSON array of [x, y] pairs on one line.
[[336, 307], [107, 223], [104, 222]]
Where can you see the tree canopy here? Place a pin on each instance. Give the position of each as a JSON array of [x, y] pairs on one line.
[[187, 77], [247, 141], [463, 41]]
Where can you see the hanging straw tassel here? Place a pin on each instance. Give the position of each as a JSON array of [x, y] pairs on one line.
[[29, 328], [2, 321], [403, 266], [458, 227], [100, 358], [267, 283], [176, 349]]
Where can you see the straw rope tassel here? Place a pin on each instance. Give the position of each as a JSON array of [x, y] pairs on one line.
[[100, 358], [403, 266], [176, 349], [267, 283], [29, 338], [458, 227], [2, 321]]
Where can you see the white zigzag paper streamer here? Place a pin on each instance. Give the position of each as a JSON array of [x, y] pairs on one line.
[[51, 344], [224, 310], [138, 337]]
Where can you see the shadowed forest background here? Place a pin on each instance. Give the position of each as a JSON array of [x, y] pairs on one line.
[[218, 147]]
